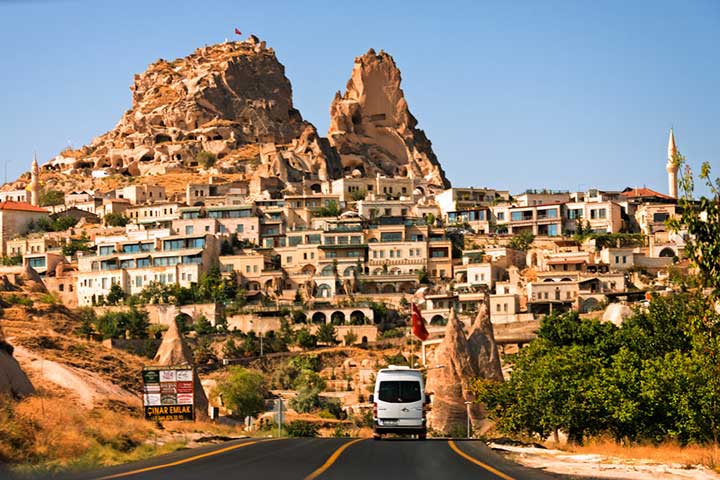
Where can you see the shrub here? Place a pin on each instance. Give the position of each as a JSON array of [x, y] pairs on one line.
[[305, 339], [326, 334], [300, 428], [116, 220], [350, 337], [206, 159], [243, 392]]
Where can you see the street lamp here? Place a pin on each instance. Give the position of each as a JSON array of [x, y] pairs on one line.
[[467, 405]]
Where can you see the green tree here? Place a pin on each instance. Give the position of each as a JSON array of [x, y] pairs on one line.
[[305, 339], [50, 197], [243, 392], [116, 294], [116, 220], [522, 241], [701, 218], [326, 333], [203, 326]]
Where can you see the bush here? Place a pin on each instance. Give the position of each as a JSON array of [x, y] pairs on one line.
[[243, 392], [12, 261], [326, 334], [116, 220], [350, 338], [127, 324], [49, 198], [206, 159], [305, 339], [309, 362], [16, 299], [300, 428], [203, 326]]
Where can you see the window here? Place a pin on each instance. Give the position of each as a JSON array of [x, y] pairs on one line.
[[239, 228], [36, 262], [189, 229], [288, 259], [501, 216], [399, 391], [391, 237]]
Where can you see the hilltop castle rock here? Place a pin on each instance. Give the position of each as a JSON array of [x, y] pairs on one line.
[[221, 99], [372, 128], [228, 108]]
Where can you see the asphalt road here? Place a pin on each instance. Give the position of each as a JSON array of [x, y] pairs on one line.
[[326, 458]]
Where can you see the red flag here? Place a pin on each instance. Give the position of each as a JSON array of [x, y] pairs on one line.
[[238, 31], [418, 324]]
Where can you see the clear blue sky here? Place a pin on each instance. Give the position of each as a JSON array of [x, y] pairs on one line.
[[513, 95]]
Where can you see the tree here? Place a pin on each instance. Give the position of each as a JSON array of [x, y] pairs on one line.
[[116, 294], [331, 209], [203, 326], [702, 220], [305, 339], [243, 391], [326, 333], [358, 195], [116, 220], [49, 198], [522, 241]]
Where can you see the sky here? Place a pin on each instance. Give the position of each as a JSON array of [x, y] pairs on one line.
[[566, 95]]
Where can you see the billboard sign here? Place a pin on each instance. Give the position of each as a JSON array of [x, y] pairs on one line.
[[168, 393]]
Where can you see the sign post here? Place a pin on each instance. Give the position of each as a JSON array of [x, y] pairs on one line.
[[168, 393]]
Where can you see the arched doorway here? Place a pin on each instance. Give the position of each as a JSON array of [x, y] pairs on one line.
[[323, 291], [319, 318], [667, 252], [357, 318], [337, 318], [438, 320]]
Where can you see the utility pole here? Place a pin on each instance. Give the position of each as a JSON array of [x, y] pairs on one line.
[[467, 405]]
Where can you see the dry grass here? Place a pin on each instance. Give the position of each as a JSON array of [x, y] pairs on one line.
[[688, 456], [52, 433]]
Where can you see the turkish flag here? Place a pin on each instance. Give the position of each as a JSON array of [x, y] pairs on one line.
[[238, 31], [418, 324]]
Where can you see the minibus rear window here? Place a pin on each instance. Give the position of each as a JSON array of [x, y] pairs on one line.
[[399, 391]]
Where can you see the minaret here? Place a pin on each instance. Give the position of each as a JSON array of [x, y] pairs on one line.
[[35, 183], [672, 167]]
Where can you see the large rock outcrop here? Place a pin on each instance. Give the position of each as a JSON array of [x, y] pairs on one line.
[[483, 349], [173, 351], [13, 381], [229, 100], [464, 359], [372, 127], [450, 385]]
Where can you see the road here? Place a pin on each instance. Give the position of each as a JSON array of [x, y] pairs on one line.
[[326, 458]]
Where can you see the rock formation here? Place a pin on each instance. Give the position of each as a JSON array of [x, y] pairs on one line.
[[450, 385], [483, 349], [229, 100], [13, 381], [174, 351], [372, 127]]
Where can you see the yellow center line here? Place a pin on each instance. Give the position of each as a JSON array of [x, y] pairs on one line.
[[331, 460], [185, 460], [478, 462]]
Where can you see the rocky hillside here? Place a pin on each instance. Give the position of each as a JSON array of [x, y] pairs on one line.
[[373, 129], [228, 109], [220, 99]]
